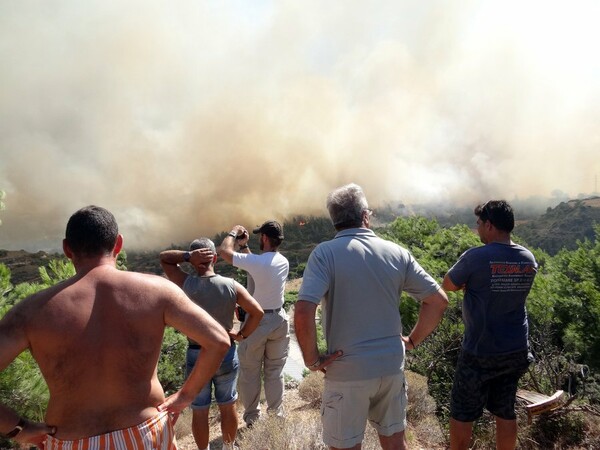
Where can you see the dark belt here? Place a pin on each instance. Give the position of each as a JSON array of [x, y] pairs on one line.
[[272, 310], [197, 347]]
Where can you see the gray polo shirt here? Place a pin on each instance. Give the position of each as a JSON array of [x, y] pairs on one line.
[[359, 278]]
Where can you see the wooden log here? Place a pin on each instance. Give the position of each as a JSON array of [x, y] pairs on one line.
[[539, 403]]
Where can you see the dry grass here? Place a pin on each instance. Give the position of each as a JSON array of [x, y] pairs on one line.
[[301, 428], [293, 285], [423, 424], [311, 388]]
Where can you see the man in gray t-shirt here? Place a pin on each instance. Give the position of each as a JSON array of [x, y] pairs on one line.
[[358, 278], [218, 296]]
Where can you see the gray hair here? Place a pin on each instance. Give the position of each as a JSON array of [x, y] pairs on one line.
[[346, 205], [203, 243]]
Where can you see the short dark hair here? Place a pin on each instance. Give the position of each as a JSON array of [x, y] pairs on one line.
[[203, 242], [498, 212], [92, 231]]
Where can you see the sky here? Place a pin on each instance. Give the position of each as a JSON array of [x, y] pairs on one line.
[[186, 118]]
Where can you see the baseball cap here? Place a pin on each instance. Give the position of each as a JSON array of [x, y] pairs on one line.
[[271, 228]]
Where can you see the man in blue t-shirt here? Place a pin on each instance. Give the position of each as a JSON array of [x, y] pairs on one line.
[[496, 279]]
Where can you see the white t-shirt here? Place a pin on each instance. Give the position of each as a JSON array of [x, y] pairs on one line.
[[269, 271]]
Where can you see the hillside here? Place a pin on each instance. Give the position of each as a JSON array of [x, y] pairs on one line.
[[562, 226], [302, 234], [564, 332], [24, 265]]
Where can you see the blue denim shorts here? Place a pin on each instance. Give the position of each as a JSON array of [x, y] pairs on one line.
[[224, 380], [487, 382]]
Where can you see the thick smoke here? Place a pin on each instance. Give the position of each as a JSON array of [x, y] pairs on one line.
[[186, 118]]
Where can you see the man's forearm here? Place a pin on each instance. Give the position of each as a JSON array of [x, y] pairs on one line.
[[226, 249], [306, 330], [251, 323], [430, 315], [8, 419], [237, 235], [172, 257]]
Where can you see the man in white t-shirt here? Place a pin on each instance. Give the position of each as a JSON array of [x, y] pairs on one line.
[[267, 348]]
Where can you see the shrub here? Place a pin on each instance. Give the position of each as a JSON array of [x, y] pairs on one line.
[[171, 364], [311, 388], [420, 403], [555, 431], [281, 434]]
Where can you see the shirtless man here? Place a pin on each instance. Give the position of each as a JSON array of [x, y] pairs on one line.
[[97, 338]]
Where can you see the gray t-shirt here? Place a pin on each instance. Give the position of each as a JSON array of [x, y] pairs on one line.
[[359, 277], [497, 279], [215, 294]]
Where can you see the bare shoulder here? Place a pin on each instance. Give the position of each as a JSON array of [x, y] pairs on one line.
[[147, 285], [18, 320], [25, 308]]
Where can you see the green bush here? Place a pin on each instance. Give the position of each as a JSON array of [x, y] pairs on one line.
[[171, 364], [558, 430]]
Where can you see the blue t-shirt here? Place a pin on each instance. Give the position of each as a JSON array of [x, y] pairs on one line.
[[497, 279]]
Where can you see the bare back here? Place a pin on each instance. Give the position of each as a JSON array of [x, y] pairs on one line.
[[97, 340]]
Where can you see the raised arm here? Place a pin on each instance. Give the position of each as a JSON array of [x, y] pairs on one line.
[[430, 315], [227, 247], [169, 261], [253, 310]]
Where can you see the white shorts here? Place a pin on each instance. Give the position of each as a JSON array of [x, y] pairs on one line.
[[347, 405]]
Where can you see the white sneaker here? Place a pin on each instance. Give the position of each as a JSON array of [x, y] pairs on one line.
[[230, 446]]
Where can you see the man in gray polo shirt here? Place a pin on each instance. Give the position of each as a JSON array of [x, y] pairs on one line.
[[359, 278]]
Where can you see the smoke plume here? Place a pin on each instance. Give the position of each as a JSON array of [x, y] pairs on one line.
[[185, 118]]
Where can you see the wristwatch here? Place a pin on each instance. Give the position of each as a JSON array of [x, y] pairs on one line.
[[186, 256]]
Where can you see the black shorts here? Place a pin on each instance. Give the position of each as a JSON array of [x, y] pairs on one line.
[[489, 382]]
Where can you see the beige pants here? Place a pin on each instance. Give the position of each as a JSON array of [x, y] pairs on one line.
[[266, 349]]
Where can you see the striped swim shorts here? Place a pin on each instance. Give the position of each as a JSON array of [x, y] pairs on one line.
[[155, 433]]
